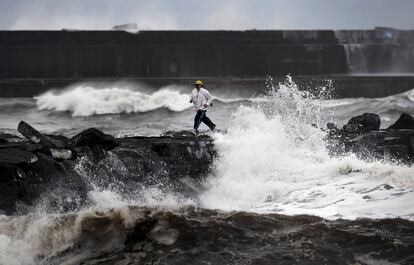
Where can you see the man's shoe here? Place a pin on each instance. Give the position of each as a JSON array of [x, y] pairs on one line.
[[213, 128]]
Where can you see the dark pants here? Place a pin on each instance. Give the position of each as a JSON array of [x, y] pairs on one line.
[[202, 117]]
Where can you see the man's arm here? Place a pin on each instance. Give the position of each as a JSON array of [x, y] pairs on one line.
[[208, 96]]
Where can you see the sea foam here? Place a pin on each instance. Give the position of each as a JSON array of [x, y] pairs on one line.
[[273, 159]]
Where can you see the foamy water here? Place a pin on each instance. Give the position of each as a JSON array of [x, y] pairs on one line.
[[86, 100], [273, 160]]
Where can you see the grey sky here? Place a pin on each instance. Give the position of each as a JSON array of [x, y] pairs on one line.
[[213, 14]]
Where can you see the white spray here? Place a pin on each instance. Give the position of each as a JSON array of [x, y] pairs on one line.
[[87, 100], [274, 160]]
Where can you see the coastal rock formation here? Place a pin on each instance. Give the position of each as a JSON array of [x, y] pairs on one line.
[[362, 136], [363, 123], [405, 121], [59, 172]]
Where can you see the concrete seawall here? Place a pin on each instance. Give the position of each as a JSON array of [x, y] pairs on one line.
[[63, 54], [35, 61]]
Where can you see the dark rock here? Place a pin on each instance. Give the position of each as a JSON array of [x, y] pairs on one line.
[[352, 129], [179, 134], [24, 182], [7, 136], [59, 141], [363, 123], [362, 137], [34, 135], [397, 140], [168, 158], [128, 165], [10, 138], [10, 187], [393, 145], [10, 172], [57, 137], [332, 139], [331, 126], [93, 137], [15, 157], [406, 121], [397, 153], [24, 146], [366, 145]]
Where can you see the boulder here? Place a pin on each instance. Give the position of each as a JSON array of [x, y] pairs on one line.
[[10, 179], [6, 138], [16, 157], [61, 154], [34, 135], [59, 141], [363, 123], [398, 153], [92, 138], [406, 121]]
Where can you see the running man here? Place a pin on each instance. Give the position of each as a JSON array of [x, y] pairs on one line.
[[201, 99]]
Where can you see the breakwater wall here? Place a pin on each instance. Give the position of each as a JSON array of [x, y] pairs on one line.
[[35, 61], [243, 54], [68, 54]]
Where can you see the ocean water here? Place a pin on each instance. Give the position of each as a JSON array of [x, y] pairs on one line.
[[272, 167]]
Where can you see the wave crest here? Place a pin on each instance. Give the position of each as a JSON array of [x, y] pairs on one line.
[[87, 100]]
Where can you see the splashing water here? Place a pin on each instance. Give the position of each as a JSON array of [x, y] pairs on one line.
[[274, 160], [107, 191]]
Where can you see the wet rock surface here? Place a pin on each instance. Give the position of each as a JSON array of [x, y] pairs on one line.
[[406, 121], [63, 169], [362, 136]]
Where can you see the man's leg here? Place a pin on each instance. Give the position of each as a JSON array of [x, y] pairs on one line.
[[198, 118], [208, 122]]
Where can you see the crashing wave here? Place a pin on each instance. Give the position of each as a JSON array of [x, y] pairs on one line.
[[144, 235], [87, 100], [273, 159]]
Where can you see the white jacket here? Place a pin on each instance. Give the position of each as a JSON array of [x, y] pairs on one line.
[[200, 97]]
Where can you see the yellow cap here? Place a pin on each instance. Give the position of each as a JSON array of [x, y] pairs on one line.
[[198, 82]]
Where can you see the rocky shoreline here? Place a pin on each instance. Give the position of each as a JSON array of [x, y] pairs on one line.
[[62, 169], [362, 136], [47, 164]]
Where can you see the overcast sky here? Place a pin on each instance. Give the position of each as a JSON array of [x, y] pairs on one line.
[[205, 15]]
